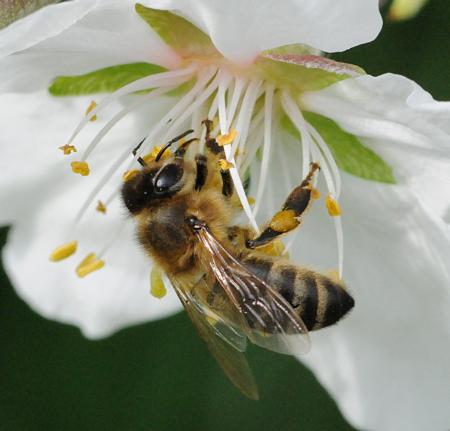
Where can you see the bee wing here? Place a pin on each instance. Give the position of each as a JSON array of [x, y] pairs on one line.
[[266, 317], [232, 361]]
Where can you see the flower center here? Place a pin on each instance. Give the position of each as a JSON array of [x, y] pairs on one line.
[[245, 110]]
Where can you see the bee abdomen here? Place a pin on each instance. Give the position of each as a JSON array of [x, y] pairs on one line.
[[318, 300]]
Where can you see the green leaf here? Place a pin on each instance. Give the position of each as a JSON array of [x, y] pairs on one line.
[[182, 36], [303, 72], [104, 80], [350, 154]]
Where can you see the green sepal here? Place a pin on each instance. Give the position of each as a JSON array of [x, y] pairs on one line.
[[104, 80], [349, 153], [184, 38], [301, 73]]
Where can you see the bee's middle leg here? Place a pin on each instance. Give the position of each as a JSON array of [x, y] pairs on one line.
[[290, 215]]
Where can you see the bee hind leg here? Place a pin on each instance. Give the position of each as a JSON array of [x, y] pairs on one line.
[[291, 212]]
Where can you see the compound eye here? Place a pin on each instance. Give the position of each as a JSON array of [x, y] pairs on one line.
[[166, 180]]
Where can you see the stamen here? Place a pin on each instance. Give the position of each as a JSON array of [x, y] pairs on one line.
[[157, 287], [268, 101], [225, 165], [158, 80], [323, 156], [227, 138], [63, 251], [81, 168], [111, 123], [176, 111], [151, 157], [332, 206], [239, 85], [315, 193], [68, 149], [245, 113], [89, 264], [128, 175], [199, 98], [89, 109], [101, 207]]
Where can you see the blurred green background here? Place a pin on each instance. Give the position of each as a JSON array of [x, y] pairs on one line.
[[159, 376]]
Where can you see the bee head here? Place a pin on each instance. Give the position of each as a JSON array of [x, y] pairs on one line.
[[153, 184]]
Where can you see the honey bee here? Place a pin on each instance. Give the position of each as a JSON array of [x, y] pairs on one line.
[[232, 287]]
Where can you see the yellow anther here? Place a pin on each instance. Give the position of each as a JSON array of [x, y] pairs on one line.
[[251, 200], [332, 206], [315, 194], [89, 264], [274, 248], [226, 139], [157, 287], [81, 168], [90, 108], [151, 157], [68, 149], [63, 251], [225, 165], [284, 221], [101, 207], [128, 175]]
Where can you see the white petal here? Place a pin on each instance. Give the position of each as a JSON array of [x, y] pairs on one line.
[[43, 24], [40, 196], [111, 33], [242, 29], [386, 364], [402, 123]]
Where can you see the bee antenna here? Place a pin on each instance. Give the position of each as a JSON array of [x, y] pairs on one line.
[[172, 141]]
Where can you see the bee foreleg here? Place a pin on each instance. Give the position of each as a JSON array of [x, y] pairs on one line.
[[291, 213], [201, 164]]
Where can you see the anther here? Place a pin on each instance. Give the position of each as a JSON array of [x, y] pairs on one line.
[[226, 139], [332, 206], [151, 157], [81, 168], [128, 175], [101, 207], [315, 193], [89, 264], [225, 165], [90, 108], [157, 287], [68, 149], [63, 251]]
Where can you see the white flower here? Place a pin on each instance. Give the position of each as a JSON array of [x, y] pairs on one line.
[[291, 103]]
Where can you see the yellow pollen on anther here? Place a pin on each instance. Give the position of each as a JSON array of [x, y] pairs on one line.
[[67, 149], [315, 194], [63, 251], [151, 157], [90, 108], [251, 200], [225, 165], [226, 139], [128, 175], [332, 206], [101, 207], [81, 168], [157, 287], [89, 264], [284, 221]]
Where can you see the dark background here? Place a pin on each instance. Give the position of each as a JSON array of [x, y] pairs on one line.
[[159, 376]]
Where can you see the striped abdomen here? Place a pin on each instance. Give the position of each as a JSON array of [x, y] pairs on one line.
[[319, 300]]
